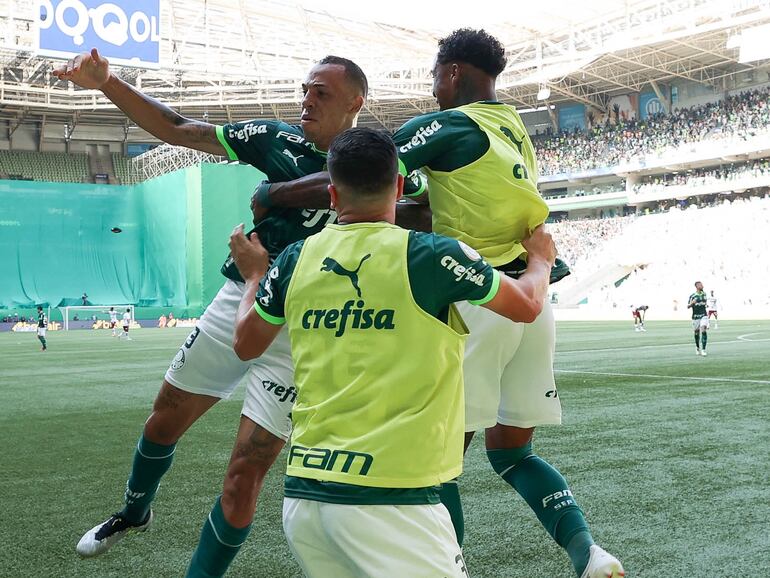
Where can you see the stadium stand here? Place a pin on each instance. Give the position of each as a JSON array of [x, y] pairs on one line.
[[657, 257], [578, 240], [46, 166], [123, 172], [730, 176], [616, 141]]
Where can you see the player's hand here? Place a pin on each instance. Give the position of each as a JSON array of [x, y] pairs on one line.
[[249, 255], [539, 245], [87, 70]]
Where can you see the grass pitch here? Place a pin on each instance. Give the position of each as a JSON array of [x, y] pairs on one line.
[[666, 452]]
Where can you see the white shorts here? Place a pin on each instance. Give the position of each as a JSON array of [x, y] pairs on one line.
[[41, 331], [508, 370], [348, 541], [701, 324], [207, 365]]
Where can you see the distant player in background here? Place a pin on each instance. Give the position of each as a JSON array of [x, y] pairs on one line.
[[638, 314], [711, 308], [700, 320], [42, 325], [114, 321], [126, 325]]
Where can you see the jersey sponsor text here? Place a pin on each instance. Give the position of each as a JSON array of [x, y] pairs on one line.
[[421, 136], [349, 316], [331, 460], [248, 130], [461, 272]]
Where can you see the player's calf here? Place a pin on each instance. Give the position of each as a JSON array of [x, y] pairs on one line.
[[173, 413], [544, 489], [228, 525]]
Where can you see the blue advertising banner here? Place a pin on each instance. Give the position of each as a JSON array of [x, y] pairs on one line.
[[572, 117], [125, 31], [650, 105]]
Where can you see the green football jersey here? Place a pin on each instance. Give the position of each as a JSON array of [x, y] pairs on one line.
[[281, 152], [698, 300], [41, 320]]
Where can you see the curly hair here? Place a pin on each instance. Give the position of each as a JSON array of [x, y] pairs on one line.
[[475, 47]]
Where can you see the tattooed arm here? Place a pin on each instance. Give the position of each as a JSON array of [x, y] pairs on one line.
[[90, 70]]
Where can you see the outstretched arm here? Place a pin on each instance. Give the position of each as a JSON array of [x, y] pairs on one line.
[[90, 70]]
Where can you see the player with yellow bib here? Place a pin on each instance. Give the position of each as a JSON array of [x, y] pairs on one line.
[[377, 427], [482, 177]]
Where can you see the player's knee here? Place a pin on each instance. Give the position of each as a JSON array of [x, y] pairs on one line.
[[504, 460], [161, 431], [162, 428]]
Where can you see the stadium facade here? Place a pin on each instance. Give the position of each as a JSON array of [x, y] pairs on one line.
[[643, 109]]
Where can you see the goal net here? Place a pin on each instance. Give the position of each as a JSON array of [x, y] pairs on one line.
[[92, 314]]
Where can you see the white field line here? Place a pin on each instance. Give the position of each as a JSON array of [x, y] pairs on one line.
[[745, 338], [655, 376]]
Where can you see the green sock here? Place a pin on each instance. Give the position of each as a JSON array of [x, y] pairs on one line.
[[42, 340], [697, 339], [704, 337], [218, 545], [547, 493], [151, 461], [450, 497]]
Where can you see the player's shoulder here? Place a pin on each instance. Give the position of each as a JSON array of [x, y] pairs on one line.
[[417, 129], [245, 129], [290, 254], [443, 246]]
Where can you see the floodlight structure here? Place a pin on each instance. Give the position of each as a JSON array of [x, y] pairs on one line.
[[234, 60]]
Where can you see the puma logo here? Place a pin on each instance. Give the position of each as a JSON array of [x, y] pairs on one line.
[[517, 142], [332, 265], [292, 157]]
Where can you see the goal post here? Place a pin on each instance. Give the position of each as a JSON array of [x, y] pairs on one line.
[[70, 311]]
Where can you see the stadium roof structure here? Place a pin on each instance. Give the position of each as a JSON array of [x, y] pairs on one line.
[[226, 60]]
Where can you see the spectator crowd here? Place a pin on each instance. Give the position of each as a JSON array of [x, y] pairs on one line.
[[576, 240], [702, 177], [617, 140]]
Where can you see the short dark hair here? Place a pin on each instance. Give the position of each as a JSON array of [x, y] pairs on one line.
[[475, 47], [364, 160], [353, 72], [39, 308]]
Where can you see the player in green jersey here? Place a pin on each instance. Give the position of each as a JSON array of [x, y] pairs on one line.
[[206, 369], [482, 177], [42, 326], [700, 320], [361, 495]]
